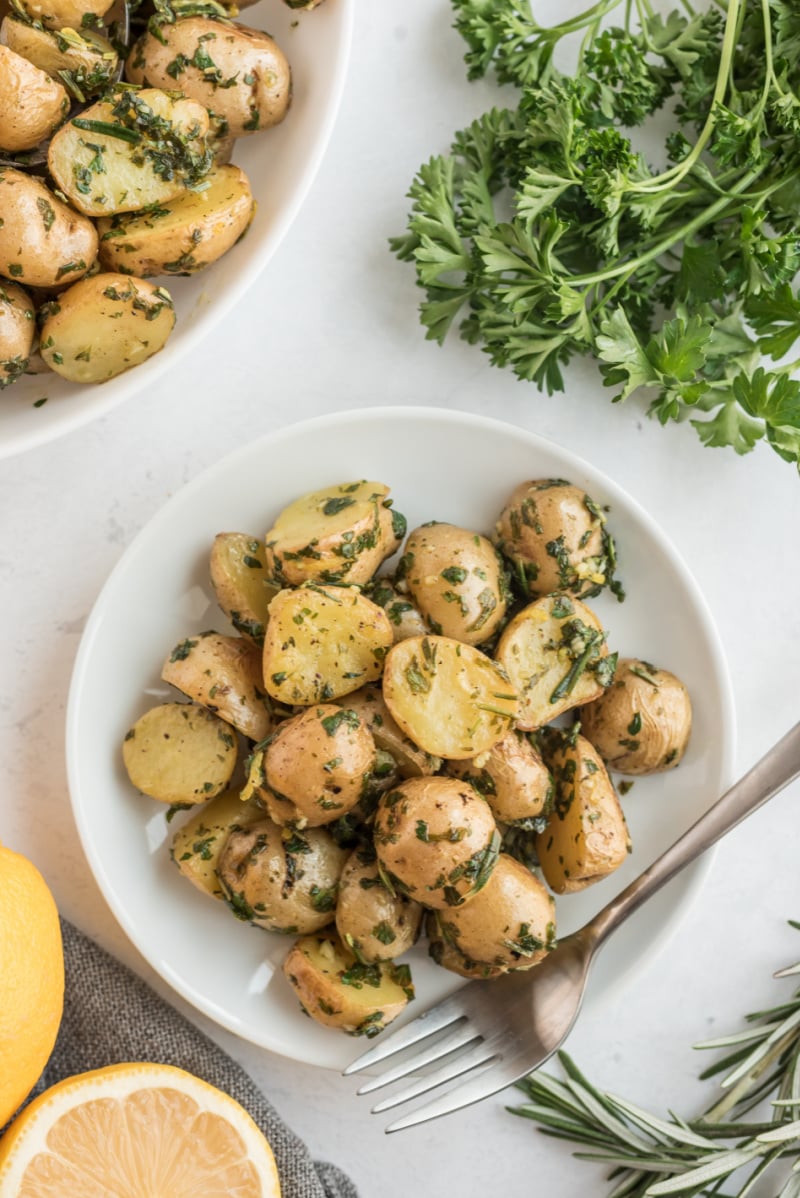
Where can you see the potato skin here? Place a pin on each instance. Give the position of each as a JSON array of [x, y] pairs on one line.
[[61, 14], [90, 58], [239, 577], [43, 243], [17, 330], [104, 325], [197, 844], [411, 761], [32, 104], [512, 778], [376, 924], [642, 724], [449, 957], [406, 619], [196, 762], [261, 92], [223, 673]]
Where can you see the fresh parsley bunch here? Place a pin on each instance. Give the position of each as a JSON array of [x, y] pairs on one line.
[[547, 234]]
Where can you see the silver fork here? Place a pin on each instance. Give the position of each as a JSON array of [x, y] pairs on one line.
[[497, 1031]]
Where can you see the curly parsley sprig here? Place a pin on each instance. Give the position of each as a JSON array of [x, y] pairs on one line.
[[546, 234]]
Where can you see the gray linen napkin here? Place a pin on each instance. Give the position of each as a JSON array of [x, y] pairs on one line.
[[111, 1016]]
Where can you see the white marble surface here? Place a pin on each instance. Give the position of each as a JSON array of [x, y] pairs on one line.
[[330, 325]]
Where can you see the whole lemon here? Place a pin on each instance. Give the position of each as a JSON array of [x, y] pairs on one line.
[[31, 978]]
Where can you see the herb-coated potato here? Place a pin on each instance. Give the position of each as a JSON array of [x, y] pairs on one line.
[[322, 643], [154, 150], [317, 765], [32, 104], [554, 536], [449, 957], [197, 844], [587, 837], [554, 651], [510, 924], [456, 580], [182, 235], [406, 619], [61, 14], [240, 73], [448, 697], [43, 243], [411, 761], [105, 325], [436, 841], [179, 753], [284, 882], [239, 578], [641, 725], [376, 924], [223, 673], [512, 778], [339, 534], [335, 989], [90, 59], [17, 329]]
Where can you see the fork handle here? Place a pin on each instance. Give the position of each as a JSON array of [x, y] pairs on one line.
[[779, 767]]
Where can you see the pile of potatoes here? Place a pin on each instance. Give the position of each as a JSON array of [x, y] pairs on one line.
[[400, 761], [115, 169]]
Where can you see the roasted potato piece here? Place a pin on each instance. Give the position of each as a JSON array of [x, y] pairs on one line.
[[376, 924], [510, 924], [449, 957], [223, 673], [449, 698], [61, 14], [284, 882], [456, 580], [90, 59], [322, 643], [179, 753], [104, 325], [512, 778], [340, 534], [240, 73], [32, 104], [43, 243], [587, 837], [641, 725], [406, 619], [128, 151], [555, 538], [436, 840], [197, 844], [239, 578], [554, 651], [411, 761], [17, 329], [185, 234], [335, 989]]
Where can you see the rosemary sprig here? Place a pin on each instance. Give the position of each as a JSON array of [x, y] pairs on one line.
[[658, 1157]]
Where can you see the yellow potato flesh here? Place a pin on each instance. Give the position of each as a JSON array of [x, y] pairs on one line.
[[197, 844], [315, 966], [179, 753]]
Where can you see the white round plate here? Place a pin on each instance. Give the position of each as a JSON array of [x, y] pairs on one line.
[[440, 465], [280, 163]]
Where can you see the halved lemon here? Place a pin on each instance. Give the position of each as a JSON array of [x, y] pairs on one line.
[[136, 1131]]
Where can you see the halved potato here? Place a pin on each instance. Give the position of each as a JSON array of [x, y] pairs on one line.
[[89, 59], [411, 761], [43, 243], [58, 14], [322, 643], [335, 989], [183, 235], [449, 698], [224, 674], [17, 330], [197, 844], [179, 753], [32, 104], [239, 578]]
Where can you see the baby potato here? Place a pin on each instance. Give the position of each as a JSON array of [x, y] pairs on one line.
[[184, 234], [179, 753], [239, 578], [337, 990], [317, 765], [406, 619], [130, 150], [512, 778], [554, 651], [554, 536], [32, 104], [449, 698], [223, 673], [104, 325], [376, 924], [340, 534], [456, 579], [641, 725], [90, 59], [322, 643], [449, 957], [279, 880], [61, 14], [197, 844], [411, 761], [43, 243], [510, 924], [17, 329], [436, 840], [587, 837], [240, 73]]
